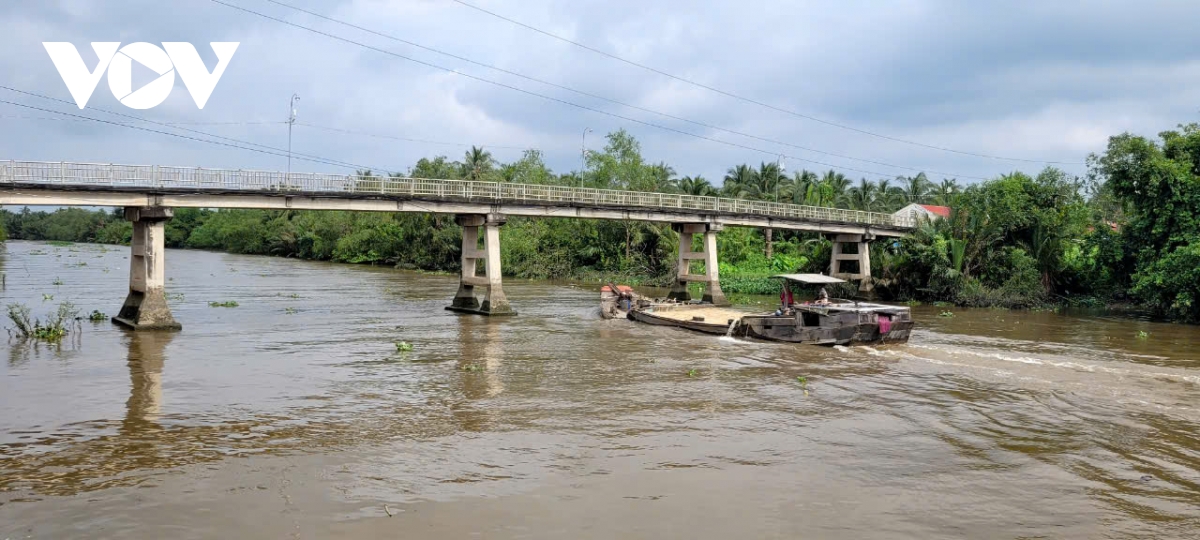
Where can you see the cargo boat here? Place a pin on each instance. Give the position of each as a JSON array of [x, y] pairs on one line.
[[826, 321]]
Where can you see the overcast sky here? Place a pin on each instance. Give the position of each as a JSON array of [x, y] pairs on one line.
[[1038, 80]]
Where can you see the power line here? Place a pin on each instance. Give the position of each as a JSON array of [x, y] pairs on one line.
[[397, 138], [235, 123], [546, 97], [27, 117], [317, 159], [756, 102], [610, 100], [209, 141]]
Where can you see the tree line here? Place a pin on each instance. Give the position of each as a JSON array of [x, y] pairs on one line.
[[1128, 232]]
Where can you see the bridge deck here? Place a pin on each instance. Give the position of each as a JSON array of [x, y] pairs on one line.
[[63, 183]]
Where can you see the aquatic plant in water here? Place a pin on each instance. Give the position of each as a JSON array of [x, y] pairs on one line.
[[404, 346], [946, 314], [52, 330], [227, 303], [96, 315]]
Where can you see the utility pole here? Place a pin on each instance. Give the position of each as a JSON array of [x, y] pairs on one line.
[[583, 155], [291, 120]]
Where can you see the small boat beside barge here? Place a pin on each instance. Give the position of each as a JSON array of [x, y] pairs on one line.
[[822, 322]]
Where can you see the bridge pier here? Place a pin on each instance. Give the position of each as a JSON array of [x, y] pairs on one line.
[[862, 256], [494, 301], [710, 277], [146, 306]]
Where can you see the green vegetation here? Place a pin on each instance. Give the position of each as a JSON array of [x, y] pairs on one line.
[[52, 330], [404, 346], [57, 282], [1129, 233], [96, 316], [228, 303], [946, 314]]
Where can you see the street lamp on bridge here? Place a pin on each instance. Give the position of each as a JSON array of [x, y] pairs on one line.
[[291, 120], [583, 155]]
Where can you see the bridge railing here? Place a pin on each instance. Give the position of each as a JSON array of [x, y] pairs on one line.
[[223, 180]]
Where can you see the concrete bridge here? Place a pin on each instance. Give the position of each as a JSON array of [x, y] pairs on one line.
[[149, 193]]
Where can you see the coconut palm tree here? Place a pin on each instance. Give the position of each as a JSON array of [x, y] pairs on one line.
[[662, 178], [477, 163], [862, 196], [946, 191], [915, 188], [769, 179], [697, 185], [837, 184], [736, 178], [888, 197], [803, 188]]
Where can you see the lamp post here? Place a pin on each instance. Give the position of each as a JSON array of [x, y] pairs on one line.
[[782, 168], [290, 122], [583, 154]]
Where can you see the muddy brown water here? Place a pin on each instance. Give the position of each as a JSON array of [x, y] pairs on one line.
[[293, 415]]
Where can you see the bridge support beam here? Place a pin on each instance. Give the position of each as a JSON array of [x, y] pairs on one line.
[[146, 306], [494, 301], [710, 277], [862, 256]]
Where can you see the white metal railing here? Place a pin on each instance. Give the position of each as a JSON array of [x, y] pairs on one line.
[[156, 176]]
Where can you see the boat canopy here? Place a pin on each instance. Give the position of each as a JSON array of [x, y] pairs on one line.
[[812, 279]]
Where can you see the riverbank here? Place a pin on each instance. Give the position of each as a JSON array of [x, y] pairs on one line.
[[750, 288]]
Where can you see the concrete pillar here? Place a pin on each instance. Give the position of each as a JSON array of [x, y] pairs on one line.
[[863, 256], [712, 287], [710, 278], [679, 291], [494, 301], [146, 306]]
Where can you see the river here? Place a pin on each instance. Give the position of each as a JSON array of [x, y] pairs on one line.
[[293, 415]]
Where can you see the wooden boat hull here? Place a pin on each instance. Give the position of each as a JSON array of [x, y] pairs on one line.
[[785, 329], [698, 326]]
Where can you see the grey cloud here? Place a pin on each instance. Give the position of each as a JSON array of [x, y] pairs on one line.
[[1042, 80]]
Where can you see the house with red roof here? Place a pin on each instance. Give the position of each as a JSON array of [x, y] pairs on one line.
[[926, 211]]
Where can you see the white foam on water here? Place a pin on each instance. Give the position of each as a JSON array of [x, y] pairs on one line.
[[1076, 366], [841, 348]]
